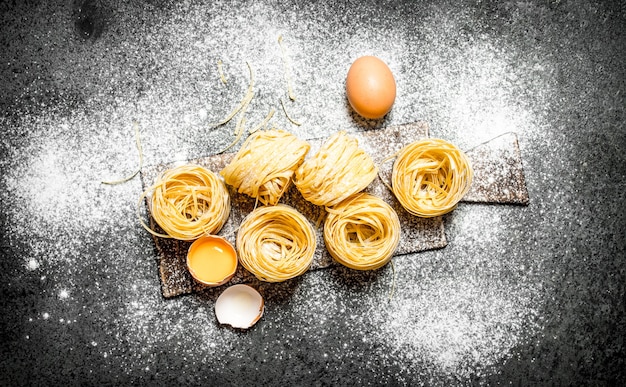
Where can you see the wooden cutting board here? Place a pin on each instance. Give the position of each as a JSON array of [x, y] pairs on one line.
[[498, 178]]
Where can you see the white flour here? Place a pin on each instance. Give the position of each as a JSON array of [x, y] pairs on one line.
[[456, 313]]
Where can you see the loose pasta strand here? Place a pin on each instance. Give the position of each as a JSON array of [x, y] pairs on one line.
[[139, 150], [286, 69], [263, 123], [220, 70], [293, 121], [240, 126], [241, 103]]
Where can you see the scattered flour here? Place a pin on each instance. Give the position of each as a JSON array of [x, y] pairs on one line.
[[454, 313]]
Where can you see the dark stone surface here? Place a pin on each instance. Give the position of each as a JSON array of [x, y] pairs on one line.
[[521, 294]]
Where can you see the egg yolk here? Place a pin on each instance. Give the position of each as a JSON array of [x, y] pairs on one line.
[[370, 87], [211, 260]]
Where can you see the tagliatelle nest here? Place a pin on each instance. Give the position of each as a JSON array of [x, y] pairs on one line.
[[264, 166], [362, 232], [339, 169], [430, 177], [276, 243], [187, 201]]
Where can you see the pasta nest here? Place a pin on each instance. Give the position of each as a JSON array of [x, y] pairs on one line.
[[189, 201], [430, 177], [264, 166], [339, 169], [276, 243], [362, 232]]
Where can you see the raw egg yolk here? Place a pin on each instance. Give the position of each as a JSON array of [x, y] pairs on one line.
[[211, 260], [370, 87]]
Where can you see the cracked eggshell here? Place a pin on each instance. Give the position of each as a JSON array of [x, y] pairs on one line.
[[239, 306]]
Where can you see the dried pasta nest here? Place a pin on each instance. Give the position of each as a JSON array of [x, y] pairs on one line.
[[340, 169], [276, 243], [430, 177], [188, 201], [265, 164], [362, 232]]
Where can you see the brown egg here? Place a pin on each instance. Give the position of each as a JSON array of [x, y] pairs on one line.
[[370, 87]]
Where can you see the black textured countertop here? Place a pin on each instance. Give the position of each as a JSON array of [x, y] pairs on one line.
[[521, 294]]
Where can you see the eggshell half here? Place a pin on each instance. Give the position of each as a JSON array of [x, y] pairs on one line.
[[239, 306]]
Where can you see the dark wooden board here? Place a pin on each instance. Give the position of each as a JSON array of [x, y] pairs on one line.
[[498, 172], [418, 234]]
